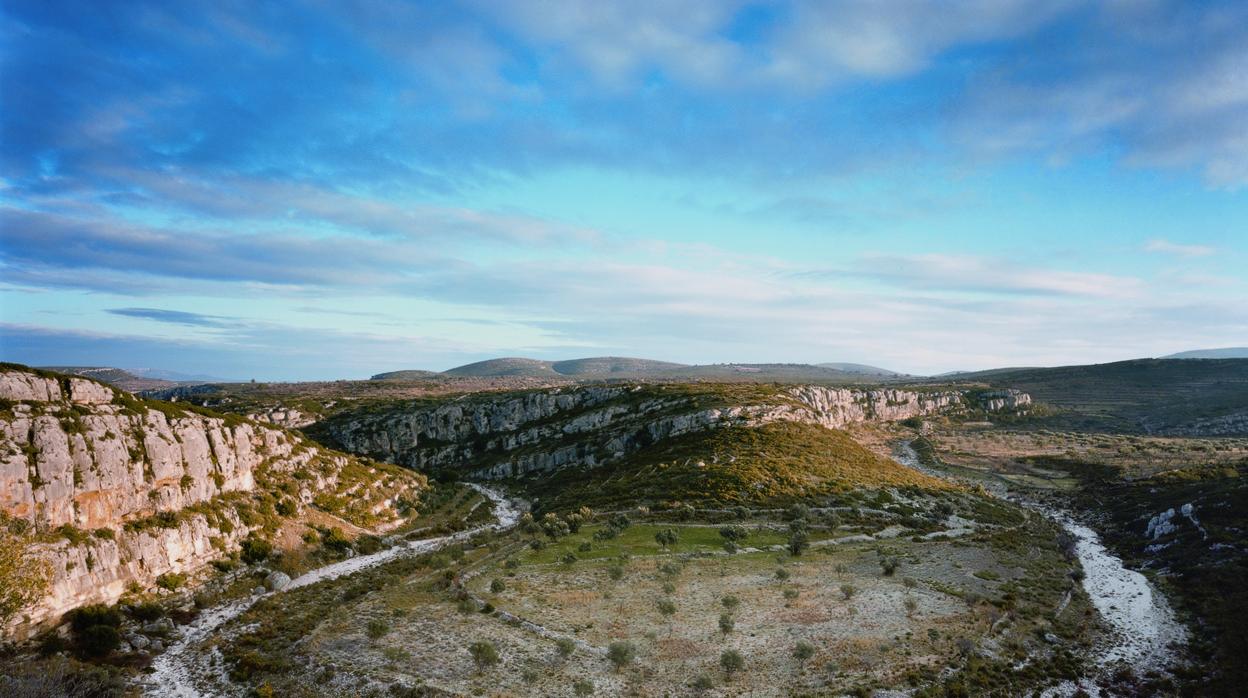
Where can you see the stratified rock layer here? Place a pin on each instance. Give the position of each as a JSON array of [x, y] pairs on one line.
[[86, 465], [541, 431]]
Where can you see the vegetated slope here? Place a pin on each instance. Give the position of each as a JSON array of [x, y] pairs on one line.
[[1167, 396], [407, 375], [771, 464], [508, 366], [1226, 353], [121, 490]]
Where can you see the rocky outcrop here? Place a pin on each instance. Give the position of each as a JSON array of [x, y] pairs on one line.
[[87, 466], [542, 431]]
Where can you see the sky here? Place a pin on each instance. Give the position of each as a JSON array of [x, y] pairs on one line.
[[317, 190]]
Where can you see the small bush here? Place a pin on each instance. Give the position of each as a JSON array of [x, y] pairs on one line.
[[377, 629], [484, 654], [621, 653], [565, 647], [498, 586], [171, 581], [255, 550]]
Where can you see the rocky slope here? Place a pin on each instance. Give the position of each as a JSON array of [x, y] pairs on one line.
[[123, 490], [499, 436]]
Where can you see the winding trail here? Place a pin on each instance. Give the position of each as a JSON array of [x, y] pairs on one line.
[[179, 671], [1143, 629]]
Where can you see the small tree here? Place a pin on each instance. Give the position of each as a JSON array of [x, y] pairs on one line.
[[702, 684], [666, 538], [730, 602], [848, 590], [802, 652], [798, 543], [911, 606], [377, 628], [889, 565], [726, 623], [615, 572], [734, 533], [23, 577], [621, 653], [732, 662], [668, 608], [782, 574], [484, 654], [583, 687], [565, 646]]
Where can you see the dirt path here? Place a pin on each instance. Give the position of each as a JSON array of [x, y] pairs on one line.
[[184, 666]]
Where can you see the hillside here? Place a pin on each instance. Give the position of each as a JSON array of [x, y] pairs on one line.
[[1165, 396], [115, 376], [773, 464], [860, 368], [408, 375], [510, 366], [1227, 353], [509, 435], [611, 365], [121, 490]]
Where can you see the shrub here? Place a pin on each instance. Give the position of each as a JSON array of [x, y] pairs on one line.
[[667, 537], [702, 684], [171, 581], [730, 602], [732, 662], [889, 565], [848, 590], [146, 612], [255, 549], [286, 507], [377, 628], [484, 654], [615, 572], [726, 623], [802, 652], [95, 614], [583, 687], [498, 586], [565, 647], [335, 540], [98, 640], [782, 574], [621, 653]]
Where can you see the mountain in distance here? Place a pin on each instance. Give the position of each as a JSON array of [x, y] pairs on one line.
[[1225, 353], [135, 379], [607, 367], [177, 377], [859, 368]]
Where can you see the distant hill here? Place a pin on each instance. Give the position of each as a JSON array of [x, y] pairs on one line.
[[609, 365], [508, 366], [1168, 396], [409, 375], [617, 367], [859, 368], [1227, 353], [163, 374], [114, 376]]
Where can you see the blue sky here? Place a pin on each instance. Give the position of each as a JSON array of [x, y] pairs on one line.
[[333, 189]]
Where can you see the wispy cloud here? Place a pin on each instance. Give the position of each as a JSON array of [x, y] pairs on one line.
[[175, 317], [1171, 248]]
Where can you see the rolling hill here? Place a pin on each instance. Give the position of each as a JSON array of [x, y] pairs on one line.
[[1167, 396], [1225, 353]]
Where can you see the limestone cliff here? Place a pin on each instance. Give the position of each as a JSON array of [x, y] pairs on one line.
[[123, 490], [499, 436]]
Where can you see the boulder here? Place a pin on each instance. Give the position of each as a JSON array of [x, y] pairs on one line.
[[276, 581]]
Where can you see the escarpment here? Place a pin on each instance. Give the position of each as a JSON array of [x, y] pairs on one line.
[[120, 491], [500, 436]]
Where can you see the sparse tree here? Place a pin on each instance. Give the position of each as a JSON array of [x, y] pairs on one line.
[[802, 652], [782, 574], [730, 602], [484, 654], [911, 606], [726, 623], [734, 533], [621, 653], [666, 538], [798, 543], [848, 590], [702, 684], [730, 547], [889, 565], [732, 662], [668, 608], [565, 646], [583, 687], [615, 572]]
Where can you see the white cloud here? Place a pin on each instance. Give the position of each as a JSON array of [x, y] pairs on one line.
[[1167, 247]]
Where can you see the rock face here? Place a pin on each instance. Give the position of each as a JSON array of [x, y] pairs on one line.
[[86, 465], [541, 431]]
